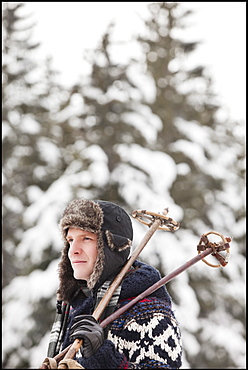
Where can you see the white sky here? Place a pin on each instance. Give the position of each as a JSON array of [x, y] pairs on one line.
[[67, 29]]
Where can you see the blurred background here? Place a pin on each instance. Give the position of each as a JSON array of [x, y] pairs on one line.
[[141, 124]]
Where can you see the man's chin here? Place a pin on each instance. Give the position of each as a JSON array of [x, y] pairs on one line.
[[79, 277]]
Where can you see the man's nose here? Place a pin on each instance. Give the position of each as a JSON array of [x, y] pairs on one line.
[[75, 247]]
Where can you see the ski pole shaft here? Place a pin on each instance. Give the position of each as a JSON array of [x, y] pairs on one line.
[[155, 286]]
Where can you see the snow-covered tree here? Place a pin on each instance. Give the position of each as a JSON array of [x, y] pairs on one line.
[[29, 136], [146, 134]]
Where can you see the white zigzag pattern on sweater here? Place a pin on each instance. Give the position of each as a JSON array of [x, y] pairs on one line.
[[146, 330]]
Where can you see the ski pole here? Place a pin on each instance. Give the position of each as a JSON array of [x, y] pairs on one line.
[[208, 250]]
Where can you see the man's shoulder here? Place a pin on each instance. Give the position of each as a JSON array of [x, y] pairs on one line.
[[140, 278], [143, 270]]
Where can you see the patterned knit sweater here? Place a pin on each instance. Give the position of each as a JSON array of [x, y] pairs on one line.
[[147, 336]]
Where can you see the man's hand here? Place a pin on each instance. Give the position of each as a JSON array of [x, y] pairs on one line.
[[86, 327]]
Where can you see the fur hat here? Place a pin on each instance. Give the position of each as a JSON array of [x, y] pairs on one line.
[[114, 231]]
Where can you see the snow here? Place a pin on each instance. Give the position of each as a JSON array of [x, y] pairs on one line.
[[183, 169], [39, 284], [13, 204], [30, 125], [229, 197], [144, 121], [99, 173], [230, 335], [193, 131], [145, 83], [160, 165], [34, 193], [191, 150], [6, 130], [191, 344], [38, 353], [49, 152]]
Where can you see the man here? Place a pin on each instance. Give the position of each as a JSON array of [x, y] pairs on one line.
[[97, 239]]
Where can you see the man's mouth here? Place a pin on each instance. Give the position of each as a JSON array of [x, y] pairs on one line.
[[77, 262]]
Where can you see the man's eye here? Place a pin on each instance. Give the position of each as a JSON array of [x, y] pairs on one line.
[[70, 240]]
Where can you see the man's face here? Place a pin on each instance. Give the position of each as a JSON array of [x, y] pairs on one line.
[[82, 252]]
